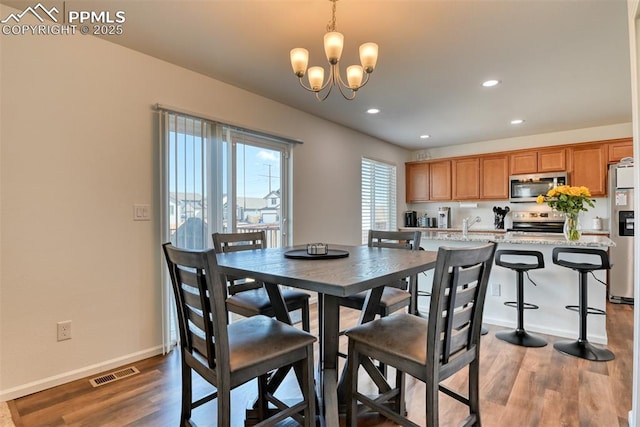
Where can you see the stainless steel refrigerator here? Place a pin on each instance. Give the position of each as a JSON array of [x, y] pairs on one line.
[[621, 229]]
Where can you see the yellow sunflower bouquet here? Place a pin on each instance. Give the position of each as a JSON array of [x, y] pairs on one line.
[[571, 201]]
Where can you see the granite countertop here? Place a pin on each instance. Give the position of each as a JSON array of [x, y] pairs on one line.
[[475, 230], [518, 238]]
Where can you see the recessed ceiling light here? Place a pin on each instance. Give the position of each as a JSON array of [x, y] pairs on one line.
[[517, 121], [491, 83], [425, 136], [373, 110]]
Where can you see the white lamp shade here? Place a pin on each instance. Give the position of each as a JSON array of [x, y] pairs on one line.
[[333, 43], [369, 56], [299, 61], [354, 76], [316, 78]]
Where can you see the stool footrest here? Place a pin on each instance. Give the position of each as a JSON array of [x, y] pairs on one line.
[[526, 305], [590, 310]]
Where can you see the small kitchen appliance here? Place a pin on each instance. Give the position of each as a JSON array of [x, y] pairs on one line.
[[444, 217], [410, 219]]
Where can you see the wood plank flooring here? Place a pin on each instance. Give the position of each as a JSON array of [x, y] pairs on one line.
[[519, 387]]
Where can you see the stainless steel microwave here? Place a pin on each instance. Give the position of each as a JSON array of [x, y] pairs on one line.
[[526, 188]]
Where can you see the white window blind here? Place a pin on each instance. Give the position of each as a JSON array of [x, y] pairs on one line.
[[378, 194]]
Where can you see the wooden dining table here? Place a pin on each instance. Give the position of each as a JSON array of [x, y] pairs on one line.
[[365, 268]]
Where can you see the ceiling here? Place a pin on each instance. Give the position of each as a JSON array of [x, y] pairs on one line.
[[562, 64]]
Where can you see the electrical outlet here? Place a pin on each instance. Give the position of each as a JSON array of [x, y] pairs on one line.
[[64, 330], [495, 289]]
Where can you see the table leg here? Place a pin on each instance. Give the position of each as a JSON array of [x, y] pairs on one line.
[[329, 358]]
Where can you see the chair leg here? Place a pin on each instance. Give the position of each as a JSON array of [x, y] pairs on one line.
[[309, 389], [474, 390], [352, 386], [186, 394], [261, 404], [399, 406], [224, 407], [431, 404], [306, 324]]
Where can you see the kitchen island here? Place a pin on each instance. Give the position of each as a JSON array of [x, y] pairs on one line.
[[556, 286]]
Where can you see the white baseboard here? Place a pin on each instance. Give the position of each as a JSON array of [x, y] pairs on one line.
[[65, 377]]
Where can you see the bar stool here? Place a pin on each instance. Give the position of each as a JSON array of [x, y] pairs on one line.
[[582, 347], [520, 336]]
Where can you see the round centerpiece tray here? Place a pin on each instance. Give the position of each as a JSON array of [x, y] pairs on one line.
[[303, 254]]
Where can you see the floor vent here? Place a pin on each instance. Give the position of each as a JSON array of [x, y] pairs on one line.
[[114, 376]]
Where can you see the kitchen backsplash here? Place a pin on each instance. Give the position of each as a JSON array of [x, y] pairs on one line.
[[461, 210]]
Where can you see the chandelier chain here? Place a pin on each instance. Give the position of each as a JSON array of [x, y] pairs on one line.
[[331, 26]]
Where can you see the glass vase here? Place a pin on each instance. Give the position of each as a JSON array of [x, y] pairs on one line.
[[572, 228]]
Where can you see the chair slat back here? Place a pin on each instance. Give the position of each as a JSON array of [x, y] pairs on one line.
[[200, 295], [235, 242], [459, 288], [394, 239]]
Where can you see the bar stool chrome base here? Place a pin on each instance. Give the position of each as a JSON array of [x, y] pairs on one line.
[[584, 350], [521, 337]]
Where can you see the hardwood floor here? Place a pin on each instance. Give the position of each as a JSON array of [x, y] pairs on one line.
[[519, 387]]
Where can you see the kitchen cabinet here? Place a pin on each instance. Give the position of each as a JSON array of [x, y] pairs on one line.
[[523, 162], [417, 182], [440, 180], [538, 161], [465, 174], [552, 160], [589, 168], [620, 149], [494, 177]]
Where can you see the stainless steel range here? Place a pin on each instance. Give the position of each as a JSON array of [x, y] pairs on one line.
[[537, 222]]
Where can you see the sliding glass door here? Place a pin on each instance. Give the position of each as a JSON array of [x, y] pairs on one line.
[[217, 178], [259, 188]]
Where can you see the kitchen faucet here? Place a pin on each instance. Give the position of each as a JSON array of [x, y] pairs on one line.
[[467, 223]]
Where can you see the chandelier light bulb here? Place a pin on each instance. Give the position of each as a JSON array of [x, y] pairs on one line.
[[316, 77], [354, 77], [299, 61], [333, 43], [368, 56]]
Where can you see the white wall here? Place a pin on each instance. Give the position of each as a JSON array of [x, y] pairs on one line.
[[78, 147]]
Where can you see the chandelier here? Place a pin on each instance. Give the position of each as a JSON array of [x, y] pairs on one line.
[[357, 75]]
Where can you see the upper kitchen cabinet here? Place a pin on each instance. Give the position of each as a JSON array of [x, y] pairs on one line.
[[440, 180], [523, 162], [417, 182], [494, 177], [465, 174], [538, 161], [619, 149], [552, 160], [589, 168]]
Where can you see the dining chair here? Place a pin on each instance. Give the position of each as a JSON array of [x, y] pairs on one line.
[[229, 355], [247, 297], [431, 349], [396, 295]]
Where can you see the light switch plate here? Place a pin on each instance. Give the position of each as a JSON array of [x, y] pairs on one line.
[[141, 212]]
